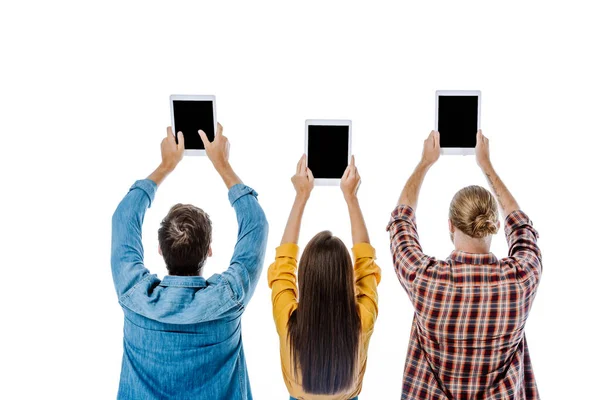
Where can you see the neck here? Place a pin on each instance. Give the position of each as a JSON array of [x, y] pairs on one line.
[[470, 245]]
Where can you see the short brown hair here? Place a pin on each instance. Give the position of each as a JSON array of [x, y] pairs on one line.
[[474, 211], [184, 238]]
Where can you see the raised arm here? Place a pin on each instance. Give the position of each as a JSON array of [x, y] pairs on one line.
[[507, 202], [367, 273], [518, 228], [282, 272], [349, 185], [127, 252], [249, 252], [409, 259], [431, 153], [303, 182]]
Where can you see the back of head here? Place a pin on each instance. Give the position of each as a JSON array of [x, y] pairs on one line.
[[324, 331], [184, 237], [474, 211]]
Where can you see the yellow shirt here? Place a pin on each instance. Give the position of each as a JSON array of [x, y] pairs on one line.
[[282, 281]]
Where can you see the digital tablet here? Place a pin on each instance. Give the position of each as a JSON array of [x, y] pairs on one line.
[[457, 117], [190, 113], [328, 147]]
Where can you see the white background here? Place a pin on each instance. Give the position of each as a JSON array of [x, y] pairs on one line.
[[84, 105]]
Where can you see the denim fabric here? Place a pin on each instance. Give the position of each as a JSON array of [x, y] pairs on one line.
[[182, 335], [293, 398]]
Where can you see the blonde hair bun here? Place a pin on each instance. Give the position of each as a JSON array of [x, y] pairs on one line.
[[483, 225], [474, 211]]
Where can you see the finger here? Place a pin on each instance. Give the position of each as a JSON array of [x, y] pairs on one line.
[[346, 173], [352, 173], [311, 178], [180, 141], [437, 139], [303, 164], [299, 165], [169, 131], [352, 160], [204, 138], [219, 129]]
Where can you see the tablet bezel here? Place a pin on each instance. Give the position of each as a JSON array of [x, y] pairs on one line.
[[193, 97], [330, 122], [457, 150]]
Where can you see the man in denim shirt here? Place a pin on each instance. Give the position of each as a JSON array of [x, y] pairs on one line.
[[182, 335]]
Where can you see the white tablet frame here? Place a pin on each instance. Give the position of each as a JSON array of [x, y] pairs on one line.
[[457, 150], [193, 97], [333, 122]]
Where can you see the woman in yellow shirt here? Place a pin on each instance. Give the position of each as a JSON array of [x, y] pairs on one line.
[[324, 321]]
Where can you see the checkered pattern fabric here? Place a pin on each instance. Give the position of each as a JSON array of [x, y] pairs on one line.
[[467, 339]]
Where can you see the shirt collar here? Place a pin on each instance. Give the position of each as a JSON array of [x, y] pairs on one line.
[[184, 281], [472, 258]]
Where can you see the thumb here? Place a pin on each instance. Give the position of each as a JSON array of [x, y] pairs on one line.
[[310, 175], [204, 138], [180, 141]]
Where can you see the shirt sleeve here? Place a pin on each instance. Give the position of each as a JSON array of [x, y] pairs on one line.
[[367, 275], [282, 281], [249, 252], [408, 257], [127, 252], [522, 245]]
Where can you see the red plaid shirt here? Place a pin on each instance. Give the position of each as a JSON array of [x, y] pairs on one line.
[[467, 339]]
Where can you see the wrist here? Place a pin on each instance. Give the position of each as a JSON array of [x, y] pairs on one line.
[[423, 164], [166, 167], [351, 199], [486, 167], [222, 166], [302, 198]]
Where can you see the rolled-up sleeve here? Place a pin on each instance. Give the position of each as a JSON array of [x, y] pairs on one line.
[[522, 245], [282, 281], [409, 259], [367, 275], [249, 252]]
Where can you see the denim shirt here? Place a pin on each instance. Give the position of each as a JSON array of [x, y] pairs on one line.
[[182, 335]]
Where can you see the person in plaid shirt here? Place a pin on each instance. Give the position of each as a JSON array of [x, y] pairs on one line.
[[467, 339]]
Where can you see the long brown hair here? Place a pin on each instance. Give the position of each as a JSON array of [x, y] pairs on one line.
[[324, 331]]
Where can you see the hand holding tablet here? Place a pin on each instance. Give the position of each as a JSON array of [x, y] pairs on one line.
[[328, 145], [191, 113], [457, 118]]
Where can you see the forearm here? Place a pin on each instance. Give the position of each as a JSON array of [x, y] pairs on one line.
[[292, 228], [357, 222], [410, 193], [228, 175], [507, 202], [160, 173]]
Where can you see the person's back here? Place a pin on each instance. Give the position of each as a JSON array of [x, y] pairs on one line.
[[467, 339], [198, 353], [324, 318], [469, 324], [182, 335]]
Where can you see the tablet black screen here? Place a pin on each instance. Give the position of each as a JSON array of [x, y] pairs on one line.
[[328, 150], [457, 121], [190, 116]]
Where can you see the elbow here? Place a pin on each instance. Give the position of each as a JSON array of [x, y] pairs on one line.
[[260, 222]]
